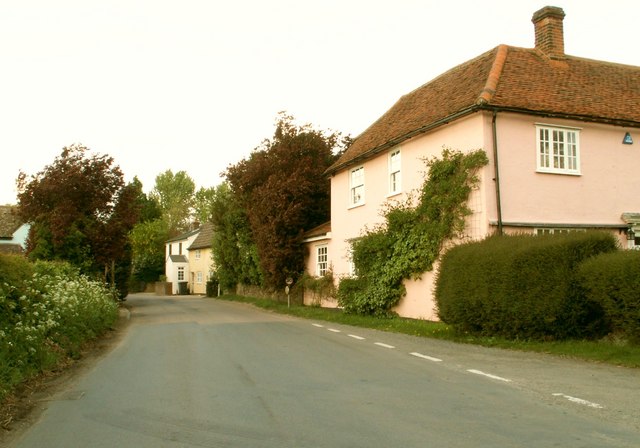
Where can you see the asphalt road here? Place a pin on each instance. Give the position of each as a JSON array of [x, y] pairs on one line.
[[195, 372]]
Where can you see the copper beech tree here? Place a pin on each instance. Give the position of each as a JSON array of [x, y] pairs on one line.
[[283, 188], [81, 211]]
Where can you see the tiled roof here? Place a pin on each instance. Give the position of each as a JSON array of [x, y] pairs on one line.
[[11, 249], [183, 236], [179, 258], [319, 231], [204, 238], [507, 78], [9, 221]]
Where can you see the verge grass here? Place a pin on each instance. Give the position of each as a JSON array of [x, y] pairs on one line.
[[610, 350]]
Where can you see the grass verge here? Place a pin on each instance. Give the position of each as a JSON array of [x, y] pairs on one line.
[[609, 351]]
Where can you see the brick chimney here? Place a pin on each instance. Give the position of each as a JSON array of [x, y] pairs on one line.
[[549, 31]]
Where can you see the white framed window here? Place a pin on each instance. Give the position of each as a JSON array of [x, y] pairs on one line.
[[197, 254], [356, 186], [199, 277], [558, 149], [552, 230], [180, 273], [322, 260], [395, 184]]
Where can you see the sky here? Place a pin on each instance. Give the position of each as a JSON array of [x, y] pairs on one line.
[[196, 85]]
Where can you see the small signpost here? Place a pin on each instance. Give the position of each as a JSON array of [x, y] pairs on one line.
[[287, 288]]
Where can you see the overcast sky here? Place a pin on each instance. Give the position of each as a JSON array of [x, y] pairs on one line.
[[195, 85]]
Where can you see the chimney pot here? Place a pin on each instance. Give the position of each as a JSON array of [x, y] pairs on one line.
[[549, 31]]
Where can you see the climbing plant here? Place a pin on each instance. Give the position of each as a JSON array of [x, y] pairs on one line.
[[411, 237]]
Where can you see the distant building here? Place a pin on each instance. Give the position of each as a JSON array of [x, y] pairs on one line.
[[13, 232]]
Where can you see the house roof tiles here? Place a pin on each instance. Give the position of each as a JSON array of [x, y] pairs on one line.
[[507, 78], [204, 238], [9, 221]]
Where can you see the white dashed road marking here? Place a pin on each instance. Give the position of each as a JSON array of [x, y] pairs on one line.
[[318, 325], [359, 338], [334, 330], [579, 401], [488, 375], [428, 358], [384, 345]]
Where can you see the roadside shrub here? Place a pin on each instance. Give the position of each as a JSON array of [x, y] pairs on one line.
[[321, 288], [48, 317], [612, 280], [15, 270], [520, 286]]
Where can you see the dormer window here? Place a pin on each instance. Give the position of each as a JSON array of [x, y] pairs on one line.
[[558, 149]]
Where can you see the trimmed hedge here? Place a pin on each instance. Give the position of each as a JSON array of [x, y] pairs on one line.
[[612, 281], [520, 286]]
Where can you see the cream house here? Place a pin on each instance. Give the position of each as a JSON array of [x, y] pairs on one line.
[[562, 134], [201, 260]]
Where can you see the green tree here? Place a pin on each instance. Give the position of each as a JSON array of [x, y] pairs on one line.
[[235, 256], [147, 243], [284, 191], [175, 196], [80, 211], [203, 203]]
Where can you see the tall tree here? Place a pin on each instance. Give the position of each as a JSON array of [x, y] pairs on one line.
[[283, 188], [203, 203], [147, 239], [174, 193], [80, 210], [235, 256]]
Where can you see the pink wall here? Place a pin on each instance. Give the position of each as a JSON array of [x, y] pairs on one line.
[[608, 185]]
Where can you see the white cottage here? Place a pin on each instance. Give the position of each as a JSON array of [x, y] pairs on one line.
[[177, 261]]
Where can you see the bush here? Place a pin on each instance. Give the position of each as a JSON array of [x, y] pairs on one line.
[[612, 281], [520, 286], [15, 270], [48, 317]]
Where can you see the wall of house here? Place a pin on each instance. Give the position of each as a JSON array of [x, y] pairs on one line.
[[202, 265], [473, 132], [171, 268], [607, 186]]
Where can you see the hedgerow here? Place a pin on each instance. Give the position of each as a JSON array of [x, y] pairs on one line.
[[521, 286], [411, 238], [47, 317], [612, 280]]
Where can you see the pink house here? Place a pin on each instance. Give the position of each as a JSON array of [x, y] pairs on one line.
[[562, 134]]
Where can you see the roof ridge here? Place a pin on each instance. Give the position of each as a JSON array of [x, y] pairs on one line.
[[494, 75]]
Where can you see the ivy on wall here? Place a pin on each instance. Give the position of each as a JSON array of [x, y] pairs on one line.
[[412, 236]]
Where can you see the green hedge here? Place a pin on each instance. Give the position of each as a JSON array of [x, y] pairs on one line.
[[612, 280], [520, 286]]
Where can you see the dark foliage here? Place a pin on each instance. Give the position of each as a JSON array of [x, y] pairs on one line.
[[284, 191], [80, 211]]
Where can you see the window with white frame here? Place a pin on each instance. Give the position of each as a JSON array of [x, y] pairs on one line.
[[199, 277], [558, 149], [356, 186], [394, 172], [322, 260], [553, 230], [180, 273], [197, 254]]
